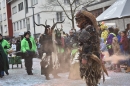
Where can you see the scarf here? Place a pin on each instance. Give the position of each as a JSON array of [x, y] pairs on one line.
[[1, 40], [29, 42]]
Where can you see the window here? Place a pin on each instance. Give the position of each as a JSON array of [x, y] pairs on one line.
[[5, 29], [1, 29], [20, 6], [66, 1], [21, 24], [34, 2], [59, 16], [3, 3], [76, 1], [4, 16], [28, 24], [38, 18], [0, 17], [0, 5], [24, 23], [50, 1], [26, 5], [14, 10], [14, 26], [17, 25]]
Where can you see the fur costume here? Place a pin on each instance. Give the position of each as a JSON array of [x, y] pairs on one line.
[[91, 67]]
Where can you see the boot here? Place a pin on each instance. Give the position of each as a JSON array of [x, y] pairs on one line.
[[29, 72], [7, 73], [1, 76], [47, 77], [128, 70]]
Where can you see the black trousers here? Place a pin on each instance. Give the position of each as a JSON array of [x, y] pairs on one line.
[[28, 64]]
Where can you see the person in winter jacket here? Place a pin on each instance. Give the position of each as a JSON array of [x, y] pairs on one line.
[[3, 63], [5, 45], [104, 33], [109, 44], [125, 47], [28, 47], [124, 50], [124, 43], [109, 40], [128, 36]]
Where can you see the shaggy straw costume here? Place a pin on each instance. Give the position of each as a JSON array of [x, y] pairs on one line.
[[89, 50]]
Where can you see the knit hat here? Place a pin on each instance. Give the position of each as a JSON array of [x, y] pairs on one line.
[[111, 29], [26, 33], [29, 32]]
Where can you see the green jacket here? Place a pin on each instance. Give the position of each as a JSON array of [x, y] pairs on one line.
[[3, 59], [25, 45], [5, 43], [32, 38]]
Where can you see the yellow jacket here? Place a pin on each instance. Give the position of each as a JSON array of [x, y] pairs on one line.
[[104, 35]]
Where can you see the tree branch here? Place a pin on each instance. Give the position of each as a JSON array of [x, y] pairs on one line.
[[73, 2], [64, 10], [88, 3]]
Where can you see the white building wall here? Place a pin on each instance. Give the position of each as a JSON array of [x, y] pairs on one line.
[[4, 23], [119, 23], [101, 5], [45, 14]]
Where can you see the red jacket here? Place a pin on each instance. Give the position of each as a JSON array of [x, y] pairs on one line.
[[124, 42]]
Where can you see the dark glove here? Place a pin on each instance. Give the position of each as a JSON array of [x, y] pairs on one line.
[[5, 47], [26, 54]]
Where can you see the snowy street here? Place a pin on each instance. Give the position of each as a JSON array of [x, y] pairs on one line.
[[18, 77]]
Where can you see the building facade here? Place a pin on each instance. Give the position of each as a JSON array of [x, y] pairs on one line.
[[3, 18], [101, 6], [22, 15]]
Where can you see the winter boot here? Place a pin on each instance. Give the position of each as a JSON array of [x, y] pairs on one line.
[[128, 70], [1, 76], [7, 72], [47, 77], [29, 72]]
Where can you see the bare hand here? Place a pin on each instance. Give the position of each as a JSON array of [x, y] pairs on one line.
[[84, 61]]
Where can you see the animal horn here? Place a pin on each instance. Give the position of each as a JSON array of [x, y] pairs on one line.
[[46, 22], [56, 24], [39, 24]]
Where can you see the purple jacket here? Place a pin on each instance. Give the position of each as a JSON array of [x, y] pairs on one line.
[[109, 39]]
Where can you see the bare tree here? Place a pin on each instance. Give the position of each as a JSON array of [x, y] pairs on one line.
[[68, 5]]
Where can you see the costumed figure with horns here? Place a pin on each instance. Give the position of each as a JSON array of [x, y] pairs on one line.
[[91, 67], [49, 62]]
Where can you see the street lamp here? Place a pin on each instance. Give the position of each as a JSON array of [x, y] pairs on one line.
[[33, 20]]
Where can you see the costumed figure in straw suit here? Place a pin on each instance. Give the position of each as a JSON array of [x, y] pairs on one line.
[[91, 67], [49, 62]]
